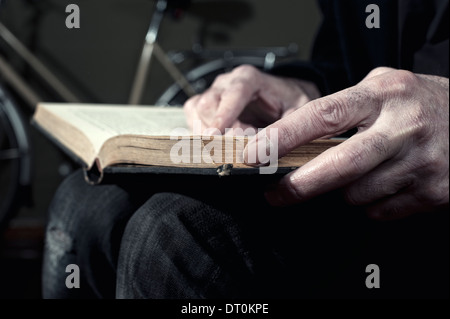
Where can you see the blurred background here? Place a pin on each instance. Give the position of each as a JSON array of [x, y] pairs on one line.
[[97, 63]]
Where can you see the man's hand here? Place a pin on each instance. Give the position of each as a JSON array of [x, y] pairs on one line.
[[247, 97], [397, 163]]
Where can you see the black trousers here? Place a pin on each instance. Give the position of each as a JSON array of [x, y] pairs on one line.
[[175, 237]]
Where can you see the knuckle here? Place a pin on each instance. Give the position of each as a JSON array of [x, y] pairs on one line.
[[429, 163], [203, 103], [406, 78], [418, 123], [370, 94], [376, 85], [379, 70], [377, 142], [191, 104], [288, 135], [330, 113], [399, 83], [356, 157], [246, 70], [240, 86], [220, 79], [395, 84]]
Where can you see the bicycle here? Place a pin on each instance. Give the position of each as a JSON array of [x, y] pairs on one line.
[[15, 159], [16, 168], [15, 148], [208, 63]]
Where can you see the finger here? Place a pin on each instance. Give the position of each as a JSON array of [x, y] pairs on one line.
[[326, 116], [396, 207], [292, 110], [194, 122], [190, 111], [240, 128], [334, 168], [233, 101], [207, 106], [384, 181]]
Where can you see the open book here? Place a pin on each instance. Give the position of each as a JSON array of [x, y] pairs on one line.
[[107, 137]]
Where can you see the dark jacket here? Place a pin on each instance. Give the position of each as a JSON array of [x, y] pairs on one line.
[[413, 35]]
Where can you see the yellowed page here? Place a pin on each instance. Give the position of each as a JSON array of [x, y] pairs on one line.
[[101, 122]]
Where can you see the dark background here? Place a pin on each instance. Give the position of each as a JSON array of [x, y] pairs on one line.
[[97, 62]]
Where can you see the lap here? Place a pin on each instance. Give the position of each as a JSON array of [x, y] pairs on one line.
[[212, 240], [176, 246]]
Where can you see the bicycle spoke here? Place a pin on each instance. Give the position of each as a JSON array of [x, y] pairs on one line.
[[6, 155]]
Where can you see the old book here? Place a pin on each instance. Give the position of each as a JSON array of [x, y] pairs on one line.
[[122, 138]]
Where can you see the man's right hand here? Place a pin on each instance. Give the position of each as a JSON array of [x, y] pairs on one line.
[[247, 97]]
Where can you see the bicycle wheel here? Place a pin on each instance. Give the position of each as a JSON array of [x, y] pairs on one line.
[[15, 159], [203, 76]]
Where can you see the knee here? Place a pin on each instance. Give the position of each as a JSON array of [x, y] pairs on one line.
[[169, 220], [155, 225], [81, 214], [78, 204], [162, 252], [68, 196]]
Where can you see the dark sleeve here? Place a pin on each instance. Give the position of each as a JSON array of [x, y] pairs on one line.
[[345, 50], [326, 66], [425, 36]]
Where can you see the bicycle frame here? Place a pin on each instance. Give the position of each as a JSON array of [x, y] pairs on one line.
[[17, 82], [18, 154], [151, 47]]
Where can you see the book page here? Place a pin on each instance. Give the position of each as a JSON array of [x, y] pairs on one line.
[[101, 122]]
